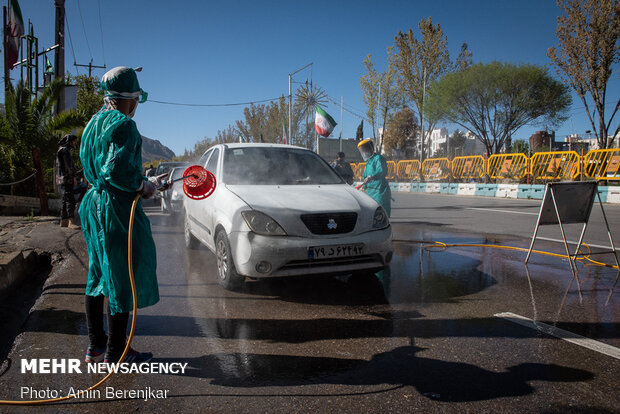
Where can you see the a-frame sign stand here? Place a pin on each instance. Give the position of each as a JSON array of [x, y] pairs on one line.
[[569, 203]]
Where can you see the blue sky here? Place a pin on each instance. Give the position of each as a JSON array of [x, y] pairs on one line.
[[210, 52]]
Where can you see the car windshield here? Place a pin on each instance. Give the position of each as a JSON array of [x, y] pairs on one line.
[[165, 167], [276, 166], [176, 173]]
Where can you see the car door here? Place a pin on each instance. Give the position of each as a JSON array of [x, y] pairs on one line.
[[195, 208], [208, 205]]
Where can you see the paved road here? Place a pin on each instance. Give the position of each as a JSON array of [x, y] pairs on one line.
[[425, 336], [516, 217]]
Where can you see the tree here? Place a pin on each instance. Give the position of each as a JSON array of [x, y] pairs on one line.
[[588, 47], [359, 134], [419, 63], [464, 60], [89, 94], [401, 129], [33, 126], [520, 146], [390, 96], [262, 120], [370, 89], [230, 134], [496, 99], [381, 92], [457, 142]]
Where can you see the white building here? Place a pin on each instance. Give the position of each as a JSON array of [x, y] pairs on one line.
[[439, 137], [473, 146]]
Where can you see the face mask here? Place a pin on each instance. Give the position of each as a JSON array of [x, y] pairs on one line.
[[133, 111]]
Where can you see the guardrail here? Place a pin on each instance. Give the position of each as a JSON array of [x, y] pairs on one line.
[[436, 168], [507, 166], [468, 167], [391, 175], [557, 165], [408, 169], [554, 165], [602, 164]]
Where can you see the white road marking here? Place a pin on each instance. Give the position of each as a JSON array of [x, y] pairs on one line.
[[501, 211], [571, 337], [598, 246]]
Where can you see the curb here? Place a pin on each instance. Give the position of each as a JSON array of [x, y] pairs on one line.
[[609, 195], [16, 267]]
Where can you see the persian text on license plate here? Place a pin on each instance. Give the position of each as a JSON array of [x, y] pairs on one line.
[[343, 250]]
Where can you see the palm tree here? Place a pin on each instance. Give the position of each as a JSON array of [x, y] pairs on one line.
[[307, 98], [33, 126]]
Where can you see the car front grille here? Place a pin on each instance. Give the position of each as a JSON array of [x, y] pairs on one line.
[[339, 261], [330, 223]]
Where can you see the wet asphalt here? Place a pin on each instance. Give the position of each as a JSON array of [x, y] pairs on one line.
[[421, 336]]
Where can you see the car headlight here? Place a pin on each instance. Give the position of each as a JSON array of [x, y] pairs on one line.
[[261, 223], [380, 220]]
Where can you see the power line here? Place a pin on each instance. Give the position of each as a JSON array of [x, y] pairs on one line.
[[84, 28], [101, 31], [347, 110], [71, 43], [213, 105]]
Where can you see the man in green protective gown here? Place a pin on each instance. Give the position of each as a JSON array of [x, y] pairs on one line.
[[112, 160], [375, 175]]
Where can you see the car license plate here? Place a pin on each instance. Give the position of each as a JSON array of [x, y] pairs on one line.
[[341, 250]]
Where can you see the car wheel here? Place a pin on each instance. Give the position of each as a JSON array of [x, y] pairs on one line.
[[227, 275], [191, 242]]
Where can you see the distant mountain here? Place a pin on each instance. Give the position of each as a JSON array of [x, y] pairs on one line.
[[153, 150]]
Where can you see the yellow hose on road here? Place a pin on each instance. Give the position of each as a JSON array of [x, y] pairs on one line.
[[429, 244], [131, 331]]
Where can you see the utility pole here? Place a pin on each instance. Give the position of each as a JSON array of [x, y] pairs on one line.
[[59, 53], [290, 97], [5, 32], [90, 67]]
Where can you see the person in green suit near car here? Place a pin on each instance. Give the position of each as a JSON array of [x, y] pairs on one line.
[[112, 160], [375, 175]]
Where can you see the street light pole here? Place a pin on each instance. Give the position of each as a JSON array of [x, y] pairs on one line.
[[290, 136], [290, 98]]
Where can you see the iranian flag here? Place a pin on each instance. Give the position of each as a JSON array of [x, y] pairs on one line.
[[12, 39], [323, 123]]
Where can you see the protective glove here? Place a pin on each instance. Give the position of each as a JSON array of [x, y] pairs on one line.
[[147, 189], [367, 179], [159, 182]]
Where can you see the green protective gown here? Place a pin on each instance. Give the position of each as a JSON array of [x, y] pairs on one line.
[[111, 155], [378, 187]]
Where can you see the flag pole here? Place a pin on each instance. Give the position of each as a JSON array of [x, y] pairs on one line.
[[7, 79]]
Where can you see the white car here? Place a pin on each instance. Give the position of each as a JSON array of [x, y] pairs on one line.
[[280, 210], [172, 198]]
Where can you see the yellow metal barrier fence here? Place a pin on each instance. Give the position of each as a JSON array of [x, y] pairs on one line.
[[408, 169], [602, 164], [436, 168], [507, 166], [359, 170], [391, 175], [556, 165], [468, 167]]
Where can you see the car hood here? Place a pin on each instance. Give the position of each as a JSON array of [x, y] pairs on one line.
[[285, 203]]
